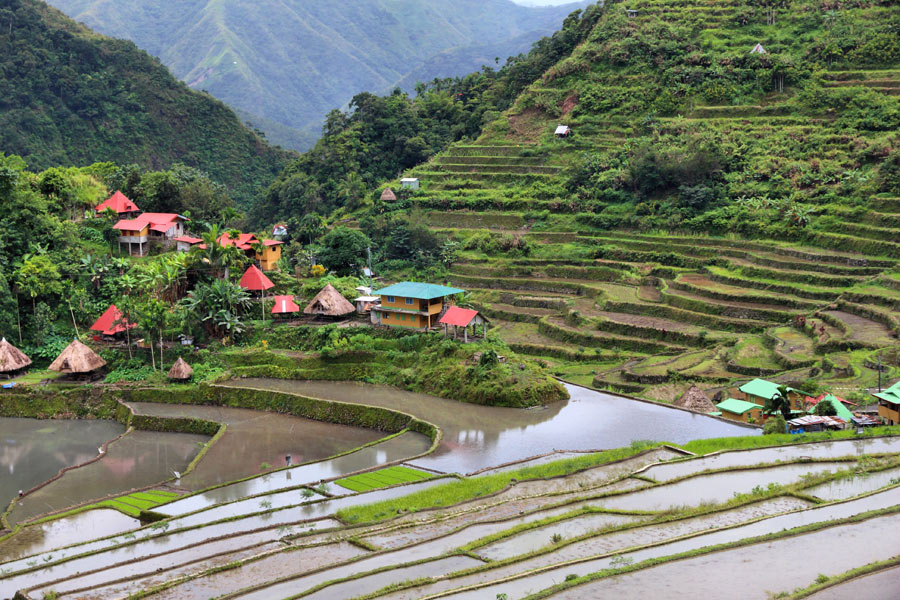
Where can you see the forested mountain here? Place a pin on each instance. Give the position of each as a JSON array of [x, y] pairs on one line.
[[71, 97], [288, 62]]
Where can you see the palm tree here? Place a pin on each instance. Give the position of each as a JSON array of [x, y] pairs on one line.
[[780, 402]]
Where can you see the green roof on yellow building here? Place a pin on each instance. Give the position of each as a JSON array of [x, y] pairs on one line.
[[419, 291], [737, 407]]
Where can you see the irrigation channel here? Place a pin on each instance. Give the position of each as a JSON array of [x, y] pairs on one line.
[[285, 534]]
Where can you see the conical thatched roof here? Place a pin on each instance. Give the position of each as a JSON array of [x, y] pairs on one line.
[[329, 302], [388, 195], [180, 370], [11, 358], [694, 399], [77, 358]]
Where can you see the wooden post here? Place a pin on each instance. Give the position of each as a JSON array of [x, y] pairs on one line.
[[466, 334], [262, 305]]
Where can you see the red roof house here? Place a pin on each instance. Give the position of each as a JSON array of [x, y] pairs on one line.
[[118, 202], [255, 280], [285, 305], [243, 241], [138, 232], [111, 322]]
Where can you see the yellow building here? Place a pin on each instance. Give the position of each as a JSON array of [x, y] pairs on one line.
[[889, 405], [740, 410], [271, 254], [413, 305]]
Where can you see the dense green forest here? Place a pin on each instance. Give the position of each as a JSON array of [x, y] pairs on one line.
[[71, 97], [285, 64]]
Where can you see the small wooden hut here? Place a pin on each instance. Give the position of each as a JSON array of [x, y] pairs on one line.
[[181, 371], [465, 318], [329, 303], [694, 399], [11, 358], [285, 306], [388, 195], [77, 359]]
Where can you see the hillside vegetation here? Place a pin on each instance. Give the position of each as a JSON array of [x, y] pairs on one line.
[[717, 215], [71, 97], [289, 63]]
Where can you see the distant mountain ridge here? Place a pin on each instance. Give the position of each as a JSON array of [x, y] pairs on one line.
[[71, 97], [289, 62]]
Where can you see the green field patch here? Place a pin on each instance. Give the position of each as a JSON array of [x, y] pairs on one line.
[[382, 478], [753, 354]]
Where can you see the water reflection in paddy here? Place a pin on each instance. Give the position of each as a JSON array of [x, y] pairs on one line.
[[63, 532], [398, 448], [856, 485], [33, 451], [139, 459], [818, 450], [477, 437], [254, 437]]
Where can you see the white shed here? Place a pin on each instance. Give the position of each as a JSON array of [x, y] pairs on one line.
[[563, 131], [411, 183]]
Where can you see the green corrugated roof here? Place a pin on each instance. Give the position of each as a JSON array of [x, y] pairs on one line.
[[842, 411], [765, 389], [891, 394], [420, 291], [737, 407]]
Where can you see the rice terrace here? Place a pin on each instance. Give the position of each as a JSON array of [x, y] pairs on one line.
[[618, 318]]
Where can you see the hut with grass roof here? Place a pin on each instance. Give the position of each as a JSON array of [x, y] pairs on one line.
[[77, 359], [388, 195], [329, 303], [12, 359], [694, 399], [181, 371]]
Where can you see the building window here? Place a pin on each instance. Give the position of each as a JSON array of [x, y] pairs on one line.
[[409, 300], [390, 299]]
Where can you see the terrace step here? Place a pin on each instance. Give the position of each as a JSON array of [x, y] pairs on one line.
[[460, 159], [703, 285], [557, 328], [654, 328], [791, 289], [864, 330], [698, 319], [497, 169], [734, 309]]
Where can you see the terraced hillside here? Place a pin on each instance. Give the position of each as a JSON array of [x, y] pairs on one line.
[[718, 213]]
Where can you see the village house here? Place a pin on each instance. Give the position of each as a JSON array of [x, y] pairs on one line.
[[409, 183], [889, 404], [111, 323], [562, 131], [760, 391], [740, 410], [285, 306], [139, 232], [120, 204], [414, 305], [184, 243], [12, 360], [329, 303], [268, 256]]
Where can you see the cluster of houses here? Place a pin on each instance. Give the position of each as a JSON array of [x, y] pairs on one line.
[[139, 230], [757, 394]]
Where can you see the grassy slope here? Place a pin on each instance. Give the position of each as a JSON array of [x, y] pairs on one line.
[[71, 97]]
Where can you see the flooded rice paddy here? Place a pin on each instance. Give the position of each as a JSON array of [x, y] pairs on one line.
[[137, 460], [59, 533], [480, 437], [877, 586], [856, 485], [254, 438], [33, 451], [397, 448]]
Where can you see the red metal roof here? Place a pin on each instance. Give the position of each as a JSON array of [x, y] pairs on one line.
[[119, 202], [460, 317], [242, 242], [255, 280], [187, 239], [272, 243], [813, 401], [284, 305], [157, 222], [107, 323]]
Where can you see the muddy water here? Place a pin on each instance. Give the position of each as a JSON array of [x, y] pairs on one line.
[[255, 437], [854, 486], [137, 460], [398, 448], [152, 547], [610, 542], [32, 450], [479, 437], [859, 543], [92, 524], [882, 585], [819, 450], [284, 563], [717, 487], [879, 543]]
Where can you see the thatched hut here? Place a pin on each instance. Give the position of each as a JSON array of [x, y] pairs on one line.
[[694, 399], [181, 371], [388, 195], [77, 359], [11, 358], [329, 303]]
